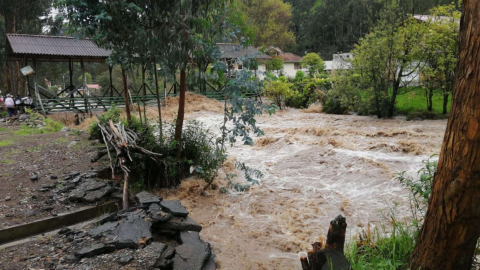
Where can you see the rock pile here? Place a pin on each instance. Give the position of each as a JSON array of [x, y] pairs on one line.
[[161, 232], [78, 187]]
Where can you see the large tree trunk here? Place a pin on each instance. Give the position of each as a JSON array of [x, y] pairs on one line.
[[181, 113], [452, 224], [125, 95]]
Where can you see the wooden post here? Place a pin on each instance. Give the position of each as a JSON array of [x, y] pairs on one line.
[[144, 85], [71, 87], [165, 90], [85, 88], [125, 95], [158, 98], [110, 69], [39, 99]]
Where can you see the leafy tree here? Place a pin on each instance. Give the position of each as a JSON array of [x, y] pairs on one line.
[[386, 56], [88, 76], [274, 64], [278, 91], [313, 63], [344, 95], [269, 21], [440, 53]]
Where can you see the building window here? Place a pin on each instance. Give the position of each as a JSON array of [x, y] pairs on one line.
[[297, 66], [240, 67]]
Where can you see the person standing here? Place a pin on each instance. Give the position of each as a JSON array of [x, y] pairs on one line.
[[10, 104], [28, 101]]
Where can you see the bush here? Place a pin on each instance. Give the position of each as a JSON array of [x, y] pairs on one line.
[[344, 95], [112, 114], [278, 90], [307, 92]]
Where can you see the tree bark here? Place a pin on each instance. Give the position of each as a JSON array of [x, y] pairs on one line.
[[451, 228], [125, 95], [445, 103], [181, 113]]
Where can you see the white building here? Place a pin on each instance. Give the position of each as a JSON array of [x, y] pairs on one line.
[[291, 62], [340, 61], [235, 54]]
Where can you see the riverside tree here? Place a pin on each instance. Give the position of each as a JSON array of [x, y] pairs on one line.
[[440, 53], [386, 57], [451, 228]]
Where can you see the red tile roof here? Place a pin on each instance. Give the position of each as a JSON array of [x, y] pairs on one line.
[[290, 57]]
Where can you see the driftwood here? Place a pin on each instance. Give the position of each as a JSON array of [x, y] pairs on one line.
[[122, 141], [330, 255]]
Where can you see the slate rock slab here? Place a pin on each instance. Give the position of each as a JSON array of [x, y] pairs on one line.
[[147, 198], [175, 208], [154, 251], [134, 229], [192, 254], [178, 224], [160, 216], [104, 230], [94, 250], [154, 207], [97, 195], [76, 195]]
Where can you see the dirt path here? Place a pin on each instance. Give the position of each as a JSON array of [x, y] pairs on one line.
[[316, 166], [47, 155]]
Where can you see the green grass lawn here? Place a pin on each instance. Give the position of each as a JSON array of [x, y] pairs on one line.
[[414, 100]]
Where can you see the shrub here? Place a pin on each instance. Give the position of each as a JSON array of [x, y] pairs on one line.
[[344, 95], [278, 91], [308, 91], [112, 114]]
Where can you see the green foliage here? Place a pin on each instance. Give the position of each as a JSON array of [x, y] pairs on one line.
[[111, 114], [345, 94], [420, 189], [307, 92], [299, 76], [269, 21], [382, 251], [274, 64], [313, 63], [278, 91], [88, 77]]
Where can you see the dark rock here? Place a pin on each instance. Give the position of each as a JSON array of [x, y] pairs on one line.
[[52, 185], [147, 198], [154, 207], [92, 184], [91, 174], [124, 260], [134, 229], [160, 216], [175, 208], [70, 238], [104, 230], [178, 224], [66, 187], [30, 213], [192, 254], [77, 179], [43, 190], [69, 259], [124, 244], [97, 195], [107, 218], [154, 250], [169, 252], [64, 230], [71, 175], [53, 177], [8, 198], [210, 264], [76, 195], [34, 177], [47, 209], [94, 250]]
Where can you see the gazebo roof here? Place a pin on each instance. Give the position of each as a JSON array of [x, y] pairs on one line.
[[53, 48]]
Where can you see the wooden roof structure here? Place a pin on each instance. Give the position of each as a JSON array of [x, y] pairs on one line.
[[44, 48]]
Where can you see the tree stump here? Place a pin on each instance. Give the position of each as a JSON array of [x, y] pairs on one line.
[[331, 256]]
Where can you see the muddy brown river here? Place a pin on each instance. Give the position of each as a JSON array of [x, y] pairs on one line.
[[316, 166]]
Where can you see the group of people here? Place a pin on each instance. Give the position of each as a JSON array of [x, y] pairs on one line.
[[14, 105]]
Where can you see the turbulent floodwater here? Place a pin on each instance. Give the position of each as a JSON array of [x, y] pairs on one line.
[[316, 167]]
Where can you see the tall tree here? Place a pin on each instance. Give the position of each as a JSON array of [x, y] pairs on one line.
[[270, 21], [451, 228]]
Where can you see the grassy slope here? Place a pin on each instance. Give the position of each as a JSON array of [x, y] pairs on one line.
[[414, 100]]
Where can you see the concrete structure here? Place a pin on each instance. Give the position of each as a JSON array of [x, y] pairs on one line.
[[340, 61]]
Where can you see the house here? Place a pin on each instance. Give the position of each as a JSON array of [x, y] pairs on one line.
[[340, 61], [235, 54], [291, 62]]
